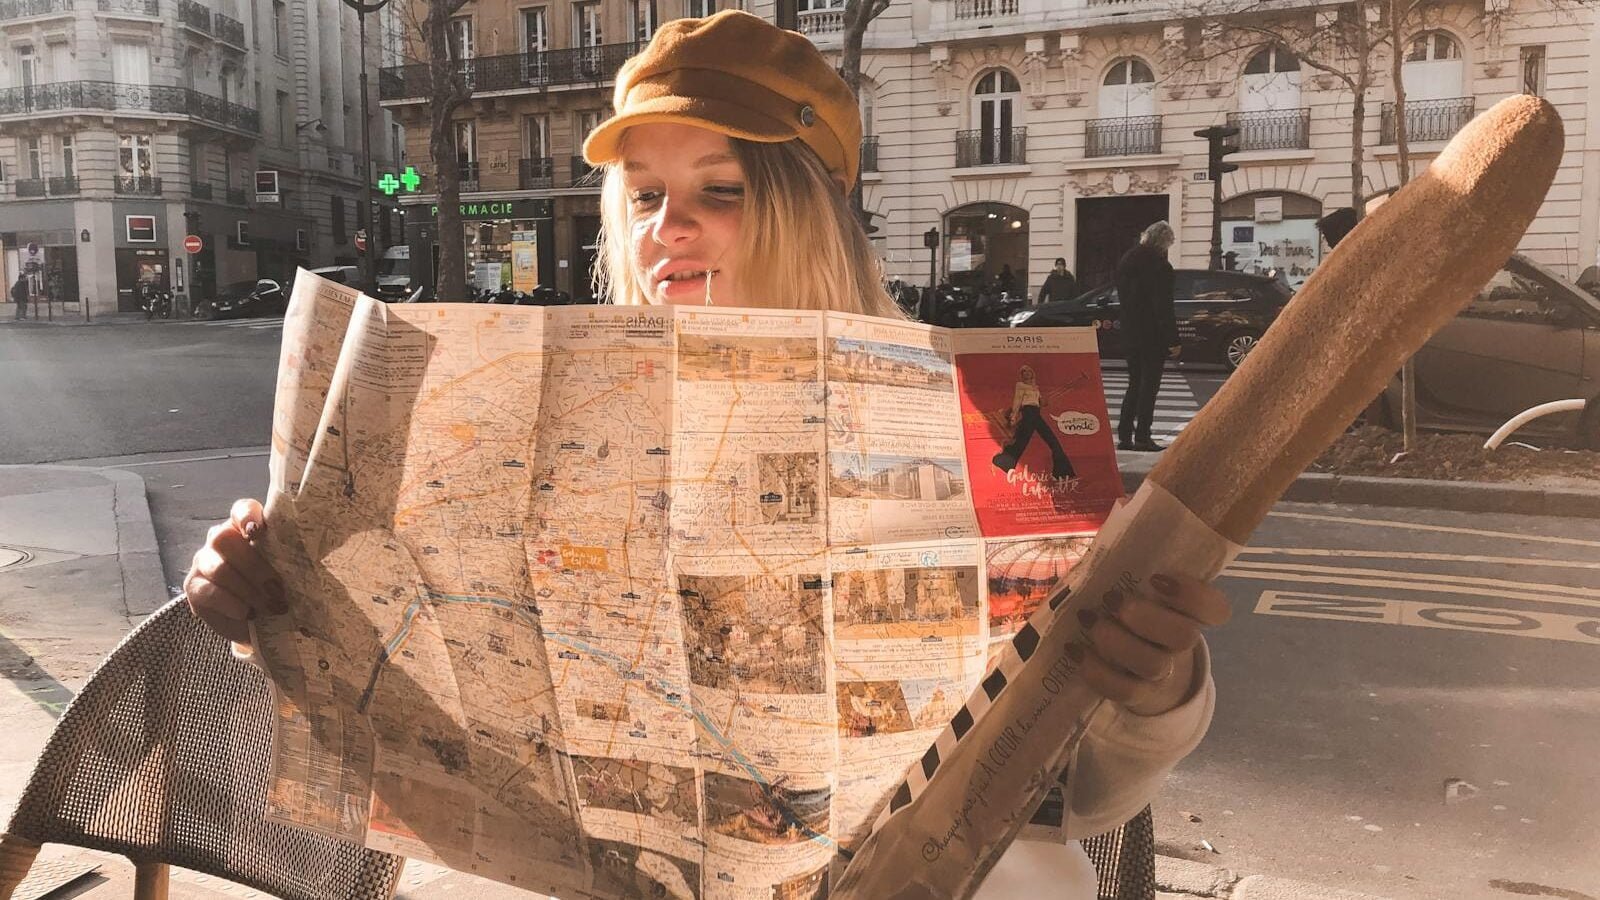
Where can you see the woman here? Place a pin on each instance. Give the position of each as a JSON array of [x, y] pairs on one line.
[[1026, 421], [727, 167]]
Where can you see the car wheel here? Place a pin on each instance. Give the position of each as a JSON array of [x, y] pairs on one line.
[[1237, 346]]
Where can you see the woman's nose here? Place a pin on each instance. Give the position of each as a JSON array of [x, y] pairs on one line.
[[674, 222]]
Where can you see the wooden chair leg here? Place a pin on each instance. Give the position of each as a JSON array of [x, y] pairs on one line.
[[16, 858], [150, 881]]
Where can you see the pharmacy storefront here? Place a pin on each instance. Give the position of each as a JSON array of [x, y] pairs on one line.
[[508, 244]]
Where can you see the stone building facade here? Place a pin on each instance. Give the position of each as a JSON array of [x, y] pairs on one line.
[[128, 125]]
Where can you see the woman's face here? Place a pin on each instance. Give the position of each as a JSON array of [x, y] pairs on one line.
[[1027, 374], [685, 193]]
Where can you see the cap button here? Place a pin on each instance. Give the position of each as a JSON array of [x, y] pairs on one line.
[[808, 116]]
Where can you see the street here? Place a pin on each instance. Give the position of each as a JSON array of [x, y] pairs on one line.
[[1407, 698]]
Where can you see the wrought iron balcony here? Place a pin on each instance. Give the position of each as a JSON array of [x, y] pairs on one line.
[[1279, 129], [994, 147], [65, 96], [195, 16], [236, 196], [30, 187], [537, 174], [468, 173], [513, 71], [63, 185], [200, 190], [986, 9], [228, 29], [1126, 136], [869, 153], [583, 174], [150, 8], [22, 9], [1428, 120], [821, 21], [139, 185]]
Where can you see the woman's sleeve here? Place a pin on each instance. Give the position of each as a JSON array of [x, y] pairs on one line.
[[1125, 758]]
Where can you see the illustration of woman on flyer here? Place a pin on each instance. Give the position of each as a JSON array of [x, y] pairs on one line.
[[1026, 421]]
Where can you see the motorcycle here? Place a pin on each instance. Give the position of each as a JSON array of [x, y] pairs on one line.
[[157, 302]]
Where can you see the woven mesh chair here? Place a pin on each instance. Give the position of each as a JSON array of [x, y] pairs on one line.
[[1125, 859], [163, 758]]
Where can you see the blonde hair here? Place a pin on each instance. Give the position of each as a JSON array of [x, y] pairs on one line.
[[800, 246], [1158, 235]]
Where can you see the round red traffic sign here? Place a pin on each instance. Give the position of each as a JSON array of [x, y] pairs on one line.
[[361, 242], [193, 244]]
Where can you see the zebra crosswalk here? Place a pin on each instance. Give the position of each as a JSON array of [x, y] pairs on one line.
[[1176, 403], [262, 324]]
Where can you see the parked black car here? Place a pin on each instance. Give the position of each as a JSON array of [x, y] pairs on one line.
[[1221, 315], [262, 297]]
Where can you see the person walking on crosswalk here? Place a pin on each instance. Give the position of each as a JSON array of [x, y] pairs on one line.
[[1149, 332]]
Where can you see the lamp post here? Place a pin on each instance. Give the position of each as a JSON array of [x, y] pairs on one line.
[[369, 260]]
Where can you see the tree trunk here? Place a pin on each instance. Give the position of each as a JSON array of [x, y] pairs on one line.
[[858, 14], [1408, 373], [449, 90], [1358, 113]]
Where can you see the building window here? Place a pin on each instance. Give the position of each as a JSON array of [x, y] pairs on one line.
[[1533, 71], [69, 156], [1431, 46], [466, 142], [280, 28], [285, 120], [337, 220], [644, 20], [27, 67], [994, 138], [141, 229], [301, 242], [461, 37], [586, 30], [536, 136], [241, 233], [134, 156], [699, 9], [35, 156], [535, 30], [130, 62]]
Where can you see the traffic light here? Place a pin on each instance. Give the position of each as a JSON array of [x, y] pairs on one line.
[[1217, 136]]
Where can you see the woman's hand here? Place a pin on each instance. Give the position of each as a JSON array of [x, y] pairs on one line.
[[1142, 644], [230, 582]]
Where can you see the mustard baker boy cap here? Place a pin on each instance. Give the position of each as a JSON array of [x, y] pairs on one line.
[[740, 75]]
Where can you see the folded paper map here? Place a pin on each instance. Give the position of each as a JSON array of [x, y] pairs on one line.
[[613, 602]]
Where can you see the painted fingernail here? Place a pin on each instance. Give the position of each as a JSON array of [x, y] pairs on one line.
[[1074, 652], [1087, 618], [1164, 584], [1111, 600], [251, 529]]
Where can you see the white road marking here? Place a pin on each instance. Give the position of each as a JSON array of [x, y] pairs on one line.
[[1440, 529], [1426, 557], [1416, 581], [1388, 611]]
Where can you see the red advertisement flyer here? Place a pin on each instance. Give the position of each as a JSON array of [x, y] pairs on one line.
[[1037, 436]]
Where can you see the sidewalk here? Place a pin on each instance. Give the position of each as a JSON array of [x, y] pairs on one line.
[[79, 567]]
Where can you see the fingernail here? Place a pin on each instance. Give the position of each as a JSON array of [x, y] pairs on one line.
[[1074, 652], [250, 529], [1087, 618], [1111, 600], [1164, 584]]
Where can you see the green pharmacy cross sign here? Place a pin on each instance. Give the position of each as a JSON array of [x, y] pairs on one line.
[[409, 179]]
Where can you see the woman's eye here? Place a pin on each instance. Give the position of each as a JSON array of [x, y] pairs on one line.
[[644, 196], [726, 192]]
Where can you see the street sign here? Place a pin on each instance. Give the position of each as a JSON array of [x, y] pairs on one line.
[[361, 241], [267, 186], [193, 244]]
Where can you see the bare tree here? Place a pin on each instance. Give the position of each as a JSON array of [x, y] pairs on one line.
[[448, 86], [858, 14]]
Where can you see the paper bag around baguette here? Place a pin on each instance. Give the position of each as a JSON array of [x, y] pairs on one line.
[[1398, 278]]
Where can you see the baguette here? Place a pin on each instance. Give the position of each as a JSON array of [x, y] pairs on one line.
[[1398, 278]]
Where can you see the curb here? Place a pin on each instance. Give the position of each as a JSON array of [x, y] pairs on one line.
[[1187, 878], [1367, 490]]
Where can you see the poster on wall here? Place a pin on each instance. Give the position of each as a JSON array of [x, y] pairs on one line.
[[1291, 246], [486, 276], [960, 254], [524, 261]]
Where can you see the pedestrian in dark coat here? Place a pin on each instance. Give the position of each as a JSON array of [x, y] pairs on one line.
[[19, 296], [1149, 332], [1059, 284]]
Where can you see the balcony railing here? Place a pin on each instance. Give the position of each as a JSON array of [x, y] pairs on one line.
[[236, 196], [1281, 129], [986, 9], [150, 8], [514, 71], [1428, 120], [228, 29], [63, 185], [30, 187], [994, 147], [22, 9], [468, 174], [821, 21], [1126, 136], [139, 185], [195, 15], [583, 174], [537, 174], [200, 190], [110, 95], [869, 153]]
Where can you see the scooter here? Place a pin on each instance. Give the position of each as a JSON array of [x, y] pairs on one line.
[[157, 302]]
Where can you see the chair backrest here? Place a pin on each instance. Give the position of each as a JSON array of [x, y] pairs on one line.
[[1125, 859], [163, 758]]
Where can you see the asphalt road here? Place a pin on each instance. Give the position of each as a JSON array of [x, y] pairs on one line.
[[1408, 699]]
